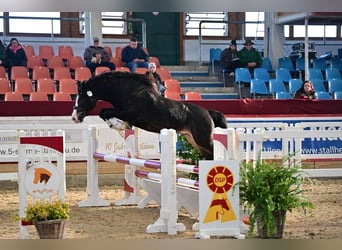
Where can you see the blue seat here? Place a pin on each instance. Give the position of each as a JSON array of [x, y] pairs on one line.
[[334, 85], [261, 73], [319, 63], [336, 63], [283, 74], [242, 76], [286, 63], [266, 64], [338, 95], [318, 85], [315, 73], [323, 95], [214, 57], [276, 85], [300, 64], [283, 95], [294, 85], [332, 73], [258, 87], [339, 53]]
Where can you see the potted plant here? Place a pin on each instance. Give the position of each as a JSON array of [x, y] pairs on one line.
[[269, 189], [48, 218]]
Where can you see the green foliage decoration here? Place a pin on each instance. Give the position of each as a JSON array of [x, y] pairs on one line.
[[270, 187], [45, 210]]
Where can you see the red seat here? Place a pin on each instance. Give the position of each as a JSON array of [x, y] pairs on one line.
[[55, 62], [173, 85], [5, 85], [82, 73], [68, 86], [40, 72], [192, 95], [46, 85], [19, 72], [34, 61], [65, 52], [174, 95], [118, 52], [124, 69], [61, 73], [61, 96], [23, 86], [117, 62], [99, 70], [46, 51], [74, 62], [38, 96], [164, 73], [3, 72], [13, 96], [109, 50], [29, 50]]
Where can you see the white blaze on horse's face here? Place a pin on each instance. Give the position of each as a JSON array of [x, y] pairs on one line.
[[84, 103]]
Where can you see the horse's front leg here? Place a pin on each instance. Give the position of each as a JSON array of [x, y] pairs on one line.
[[110, 117]]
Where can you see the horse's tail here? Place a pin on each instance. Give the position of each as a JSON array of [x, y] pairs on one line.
[[218, 118]]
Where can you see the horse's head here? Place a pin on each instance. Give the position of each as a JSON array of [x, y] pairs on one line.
[[84, 103]]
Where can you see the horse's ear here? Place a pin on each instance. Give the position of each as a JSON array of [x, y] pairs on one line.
[[89, 93]]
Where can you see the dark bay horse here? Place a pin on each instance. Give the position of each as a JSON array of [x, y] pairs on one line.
[[136, 101]]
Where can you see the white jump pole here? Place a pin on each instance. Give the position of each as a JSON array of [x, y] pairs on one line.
[[167, 221], [93, 195]]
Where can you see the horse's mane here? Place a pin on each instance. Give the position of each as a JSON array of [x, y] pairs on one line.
[[120, 75]]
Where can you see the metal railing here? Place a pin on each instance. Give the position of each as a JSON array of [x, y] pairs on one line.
[[200, 37], [52, 19]]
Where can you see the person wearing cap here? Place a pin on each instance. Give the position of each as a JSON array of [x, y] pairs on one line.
[[229, 59], [96, 56], [249, 56], [152, 69], [134, 56]]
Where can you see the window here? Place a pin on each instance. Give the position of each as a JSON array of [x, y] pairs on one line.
[[217, 25], [315, 31], [34, 22], [111, 23], [254, 26]]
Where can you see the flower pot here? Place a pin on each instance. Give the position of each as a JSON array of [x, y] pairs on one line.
[[279, 220], [51, 229]]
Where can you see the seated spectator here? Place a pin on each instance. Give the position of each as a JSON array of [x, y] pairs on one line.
[[96, 56], [249, 57], [229, 59], [152, 68], [15, 55], [2, 54], [306, 91], [134, 56]]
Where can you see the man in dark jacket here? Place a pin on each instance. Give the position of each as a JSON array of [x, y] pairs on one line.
[[134, 56], [249, 56], [96, 56], [229, 59]]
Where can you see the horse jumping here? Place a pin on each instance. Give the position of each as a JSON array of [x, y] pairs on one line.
[[136, 102]]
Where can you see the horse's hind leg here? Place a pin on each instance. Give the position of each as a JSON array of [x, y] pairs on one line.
[[200, 136]]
